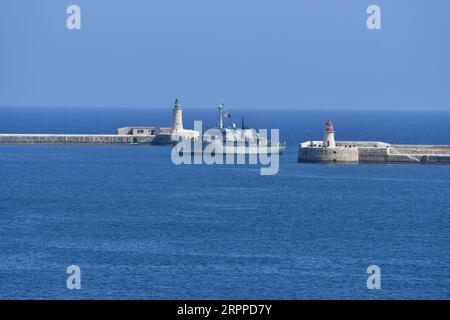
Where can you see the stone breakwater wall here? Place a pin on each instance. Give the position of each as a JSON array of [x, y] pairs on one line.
[[373, 152], [82, 139]]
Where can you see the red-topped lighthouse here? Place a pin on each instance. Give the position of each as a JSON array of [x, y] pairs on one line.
[[328, 140]]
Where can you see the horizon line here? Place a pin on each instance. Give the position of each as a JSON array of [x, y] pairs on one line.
[[238, 107]]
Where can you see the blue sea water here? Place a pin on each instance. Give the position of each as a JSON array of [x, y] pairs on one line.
[[141, 227]]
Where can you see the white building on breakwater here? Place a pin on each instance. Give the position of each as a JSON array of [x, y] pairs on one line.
[[164, 135]]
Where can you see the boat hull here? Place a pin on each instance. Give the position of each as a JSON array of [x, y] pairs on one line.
[[218, 149]]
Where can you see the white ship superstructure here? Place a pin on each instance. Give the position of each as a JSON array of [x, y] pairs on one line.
[[238, 141]]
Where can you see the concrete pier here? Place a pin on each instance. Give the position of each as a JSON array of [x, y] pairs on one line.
[[84, 139], [136, 135], [330, 150], [373, 152]]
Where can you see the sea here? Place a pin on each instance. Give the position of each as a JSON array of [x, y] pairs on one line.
[[140, 227]]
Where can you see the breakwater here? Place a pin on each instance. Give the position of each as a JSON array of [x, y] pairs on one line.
[[84, 139], [373, 152]]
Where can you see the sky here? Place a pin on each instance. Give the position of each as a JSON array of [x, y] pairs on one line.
[[303, 54]]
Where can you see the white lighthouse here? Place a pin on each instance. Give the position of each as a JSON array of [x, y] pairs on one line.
[[177, 117], [177, 132], [328, 140]]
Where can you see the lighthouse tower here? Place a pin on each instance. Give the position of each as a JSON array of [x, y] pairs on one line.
[[328, 140], [177, 117]]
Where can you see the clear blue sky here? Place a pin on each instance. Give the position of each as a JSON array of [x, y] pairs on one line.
[[247, 53]]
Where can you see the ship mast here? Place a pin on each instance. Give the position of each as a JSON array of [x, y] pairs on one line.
[[220, 111]]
